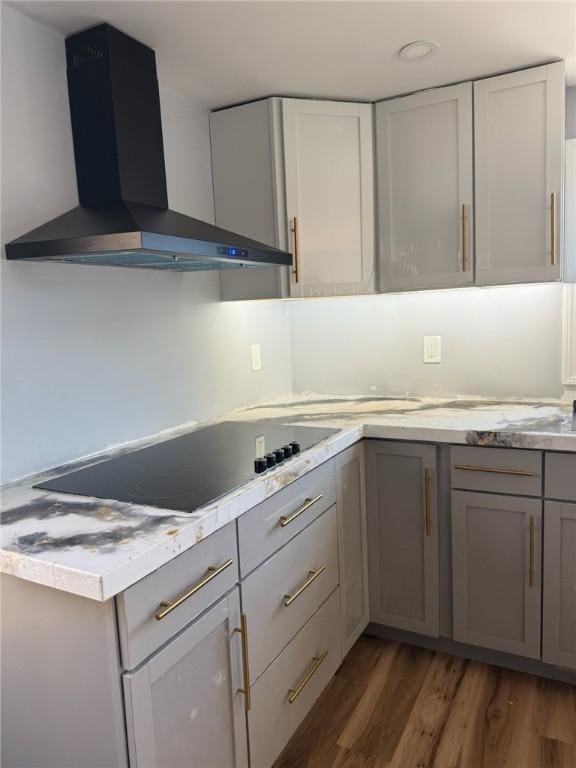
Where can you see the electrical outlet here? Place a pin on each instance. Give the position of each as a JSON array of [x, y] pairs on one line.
[[256, 355], [432, 349]]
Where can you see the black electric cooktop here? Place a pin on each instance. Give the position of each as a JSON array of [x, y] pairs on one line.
[[187, 472]]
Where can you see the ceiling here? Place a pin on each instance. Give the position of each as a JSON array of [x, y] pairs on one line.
[[224, 53]]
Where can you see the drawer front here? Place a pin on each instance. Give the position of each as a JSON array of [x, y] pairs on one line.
[[497, 470], [207, 570], [287, 690], [280, 596], [270, 525], [560, 476]]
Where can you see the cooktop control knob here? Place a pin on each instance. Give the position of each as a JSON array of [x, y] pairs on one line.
[[270, 460], [260, 465], [295, 445], [279, 455], [287, 451]]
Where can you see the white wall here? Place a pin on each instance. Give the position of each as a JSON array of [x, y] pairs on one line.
[[497, 342], [95, 356]]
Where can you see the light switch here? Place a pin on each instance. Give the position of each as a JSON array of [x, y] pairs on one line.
[[256, 354], [432, 348]]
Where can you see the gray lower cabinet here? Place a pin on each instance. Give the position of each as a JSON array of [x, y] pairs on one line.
[[286, 692], [403, 542], [352, 544], [496, 554], [184, 706], [559, 610]]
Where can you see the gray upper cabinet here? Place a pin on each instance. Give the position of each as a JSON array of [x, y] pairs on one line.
[[297, 174], [328, 161], [248, 179], [559, 614], [519, 136], [352, 544], [469, 187], [403, 543], [183, 706], [425, 189], [496, 554]]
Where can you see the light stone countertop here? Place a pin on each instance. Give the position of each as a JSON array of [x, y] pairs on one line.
[[97, 548]]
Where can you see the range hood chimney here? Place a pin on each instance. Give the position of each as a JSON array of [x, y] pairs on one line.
[[123, 218]]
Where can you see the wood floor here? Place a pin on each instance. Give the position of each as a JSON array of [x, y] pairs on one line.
[[396, 706]]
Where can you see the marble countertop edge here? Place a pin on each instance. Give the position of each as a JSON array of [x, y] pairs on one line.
[[190, 529], [97, 548]]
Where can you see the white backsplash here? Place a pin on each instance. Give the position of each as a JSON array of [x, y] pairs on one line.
[[496, 342]]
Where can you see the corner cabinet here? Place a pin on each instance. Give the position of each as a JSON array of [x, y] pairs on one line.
[[403, 544], [425, 189], [184, 706], [297, 174], [519, 137]]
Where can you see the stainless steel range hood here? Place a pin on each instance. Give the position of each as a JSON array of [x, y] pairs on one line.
[[123, 218]]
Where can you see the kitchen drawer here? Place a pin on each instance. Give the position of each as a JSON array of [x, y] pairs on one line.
[[267, 527], [211, 566], [271, 622], [560, 476], [305, 666], [497, 470]]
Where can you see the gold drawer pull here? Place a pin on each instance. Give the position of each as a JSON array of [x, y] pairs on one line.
[[211, 573], [307, 504], [464, 232], [296, 266], [493, 470], [532, 551], [312, 576], [293, 693], [243, 629], [553, 227], [427, 487]]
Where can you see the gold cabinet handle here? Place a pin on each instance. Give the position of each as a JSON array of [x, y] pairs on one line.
[[293, 693], [286, 519], [494, 470], [464, 235], [553, 227], [532, 551], [427, 495], [296, 233], [211, 573], [243, 630], [312, 576]]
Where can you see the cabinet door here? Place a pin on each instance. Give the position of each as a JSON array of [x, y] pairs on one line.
[[424, 151], [519, 134], [403, 536], [184, 707], [352, 544], [559, 614], [496, 571], [329, 196]]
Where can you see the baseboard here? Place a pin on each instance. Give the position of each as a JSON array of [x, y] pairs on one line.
[[496, 658]]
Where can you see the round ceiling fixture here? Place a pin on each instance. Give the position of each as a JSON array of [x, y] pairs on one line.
[[419, 49]]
